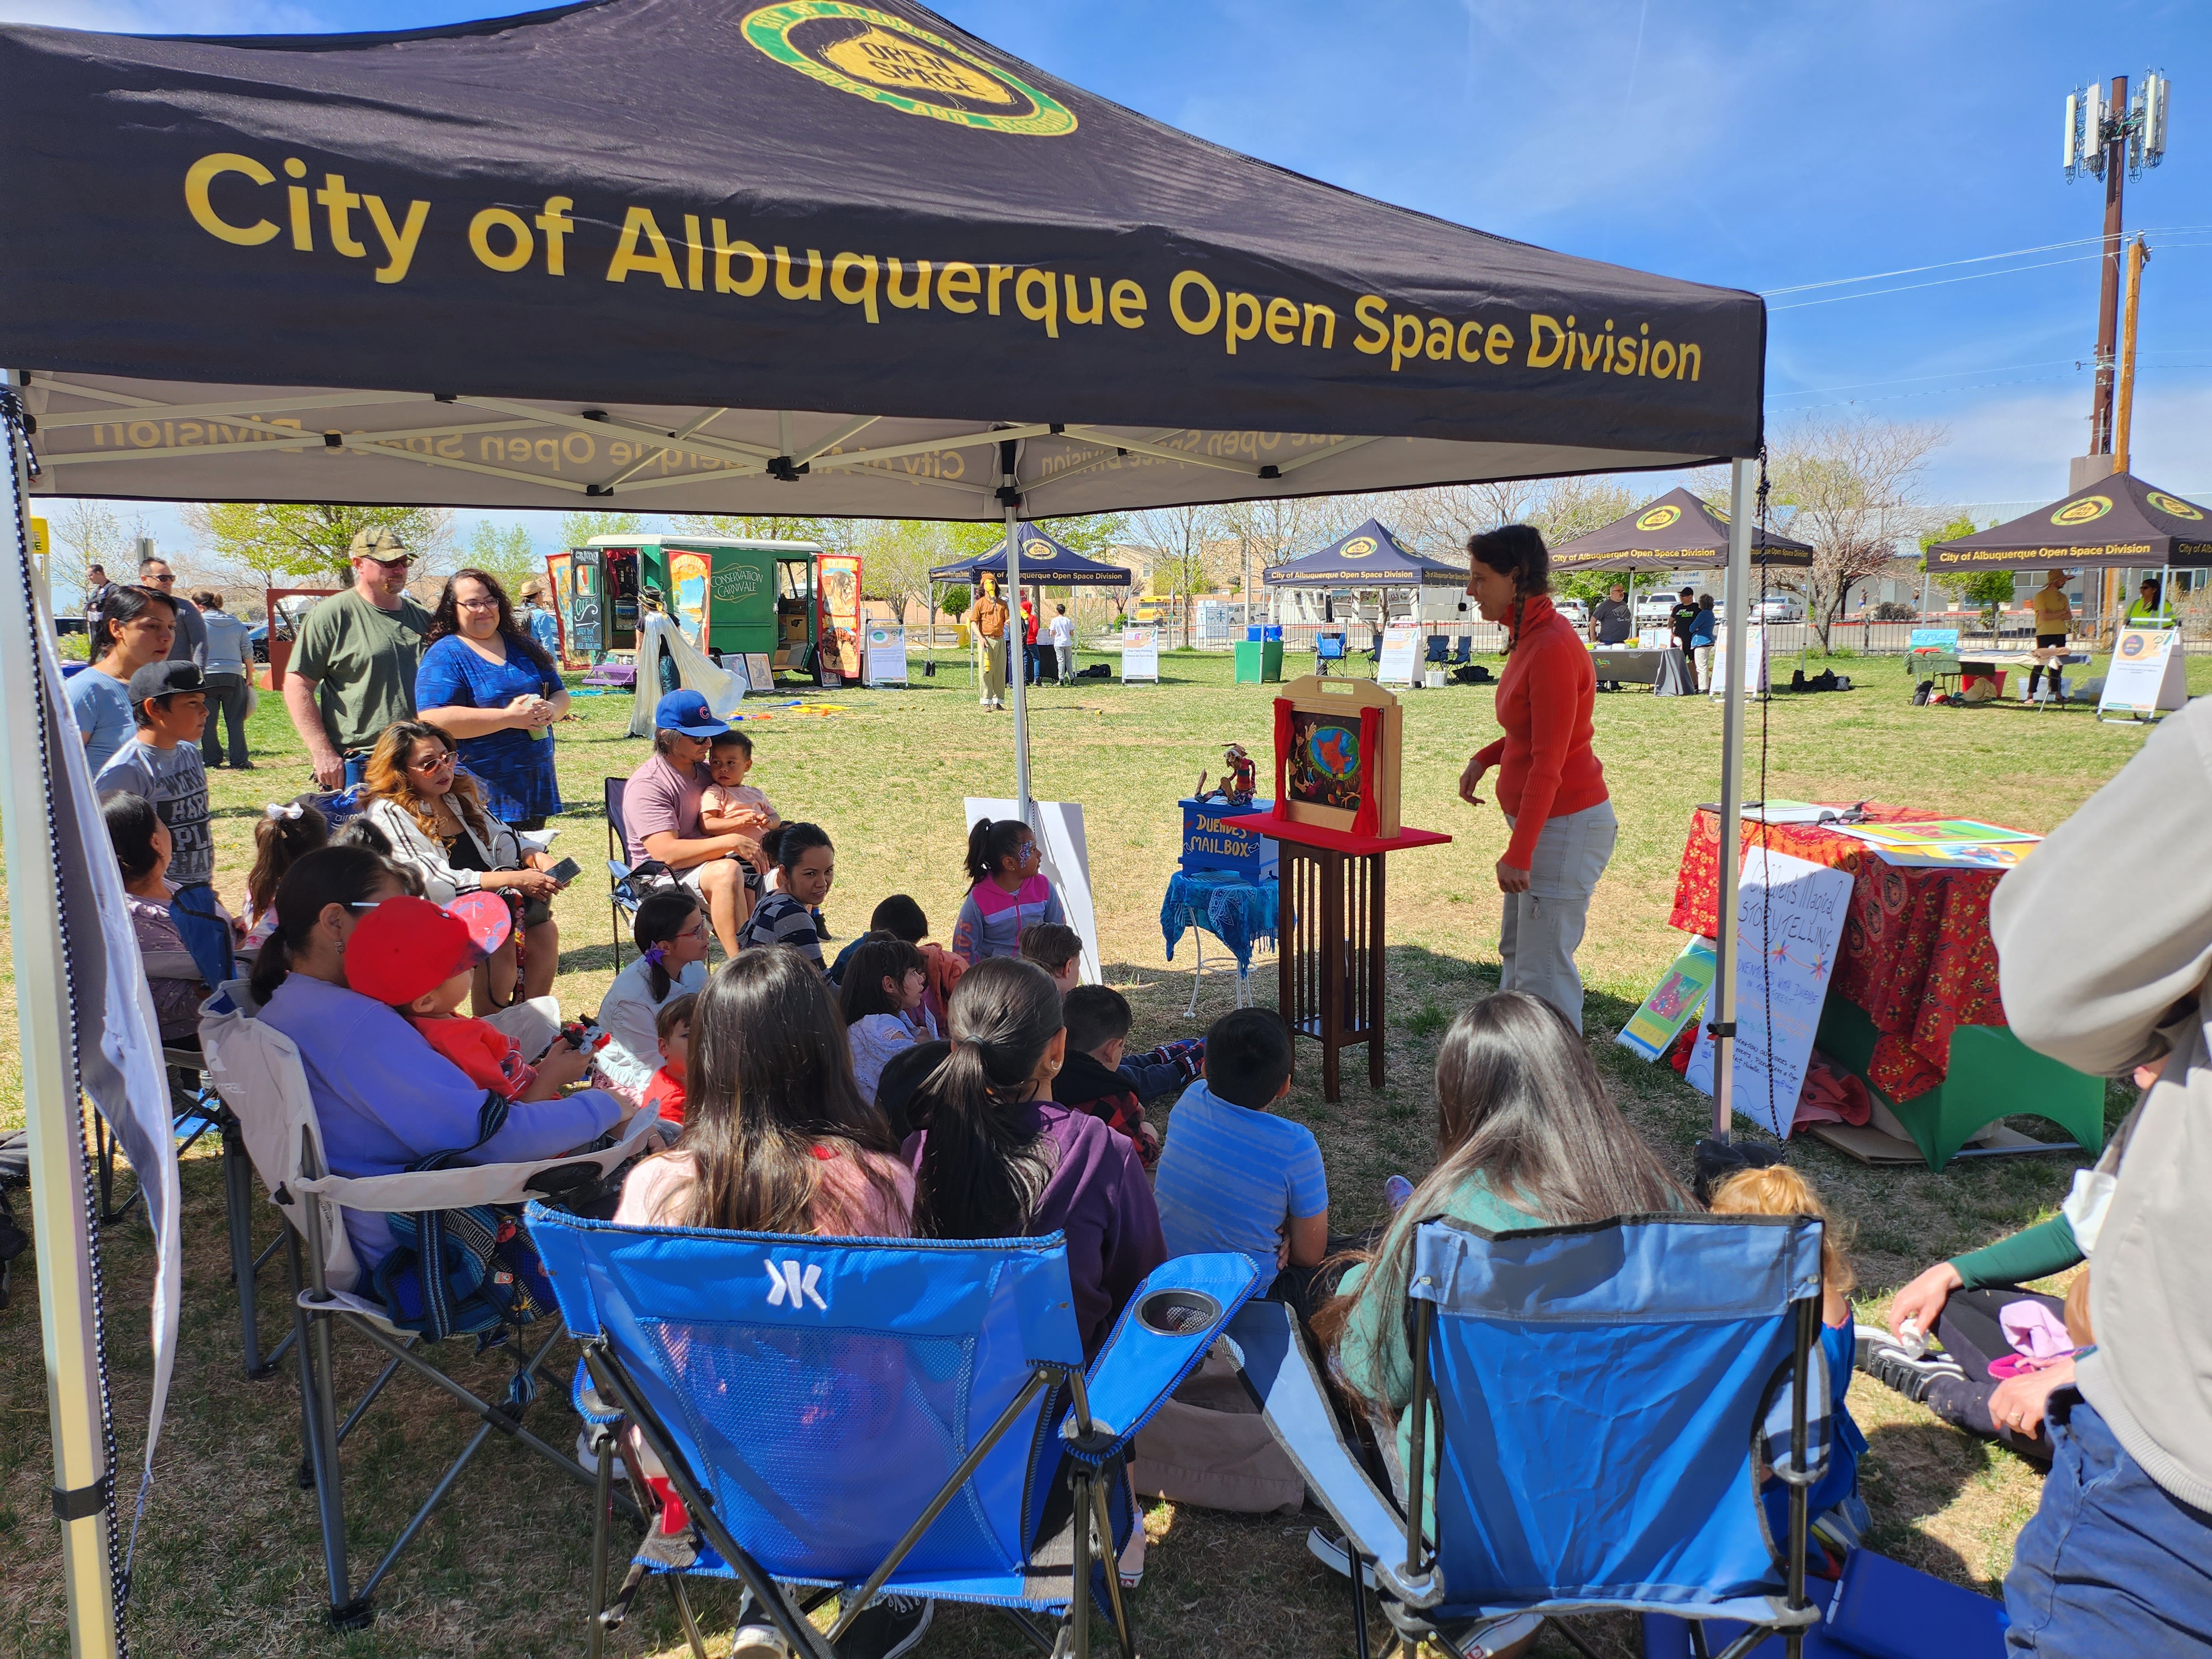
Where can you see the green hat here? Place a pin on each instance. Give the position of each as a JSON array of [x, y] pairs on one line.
[[378, 544]]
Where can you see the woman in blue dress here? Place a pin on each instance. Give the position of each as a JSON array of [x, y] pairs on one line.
[[486, 683]]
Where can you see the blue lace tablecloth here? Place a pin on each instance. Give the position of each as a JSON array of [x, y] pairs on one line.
[[1239, 913]]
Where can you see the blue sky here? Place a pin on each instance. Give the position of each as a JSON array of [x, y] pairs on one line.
[[1764, 146]]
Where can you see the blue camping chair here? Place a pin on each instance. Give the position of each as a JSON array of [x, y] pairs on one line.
[[1328, 648], [622, 896], [1439, 648], [1689, 1341], [877, 1417], [1465, 652]]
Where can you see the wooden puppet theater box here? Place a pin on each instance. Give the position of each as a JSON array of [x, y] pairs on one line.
[[1340, 747]]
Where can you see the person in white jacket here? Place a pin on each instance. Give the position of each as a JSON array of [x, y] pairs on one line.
[[671, 934], [2106, 973]]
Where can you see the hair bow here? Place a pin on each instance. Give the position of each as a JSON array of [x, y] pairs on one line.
[[655, 954], [277, 809]]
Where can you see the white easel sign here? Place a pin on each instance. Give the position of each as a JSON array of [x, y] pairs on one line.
[[886, 656], [1790, 926], [2147, 675], [1140, 655], [1754, 658], [1402, 649]]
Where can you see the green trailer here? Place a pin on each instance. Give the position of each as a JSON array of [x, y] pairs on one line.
[[731, 596]]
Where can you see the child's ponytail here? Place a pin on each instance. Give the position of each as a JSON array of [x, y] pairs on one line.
[[982, 1167], [990, 843], [286, 832], [658, 920]]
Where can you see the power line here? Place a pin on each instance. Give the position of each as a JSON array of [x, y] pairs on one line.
[[1978, 258]]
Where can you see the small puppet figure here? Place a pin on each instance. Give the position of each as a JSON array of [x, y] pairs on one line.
[[1236, 786]]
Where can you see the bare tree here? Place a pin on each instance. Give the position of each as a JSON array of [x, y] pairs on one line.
[[1852, 489], [1178, 535], [1269, 532], [89, 533]]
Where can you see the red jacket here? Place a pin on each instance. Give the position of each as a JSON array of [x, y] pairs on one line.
[[1546, 768]]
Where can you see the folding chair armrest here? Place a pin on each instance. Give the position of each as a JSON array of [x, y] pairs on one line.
[[584, 1395], [1279, 1375], [1162, 1336], [469, 1184]]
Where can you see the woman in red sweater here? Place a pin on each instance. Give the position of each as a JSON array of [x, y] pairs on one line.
[[1549, 782]]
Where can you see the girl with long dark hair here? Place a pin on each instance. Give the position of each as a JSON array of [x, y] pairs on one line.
[[1006, 893], [141, 842], [671, 933], [485, 680], [997, 1157], [1550, 785], [881, 997], [137, 626], [790, 912], [776, 1137], [1526, 1137]]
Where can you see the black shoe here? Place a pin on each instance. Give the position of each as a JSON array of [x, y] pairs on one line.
[[887, 1627], [1910, 1377]]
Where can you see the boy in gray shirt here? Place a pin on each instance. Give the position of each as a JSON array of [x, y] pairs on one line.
[[169, 701]]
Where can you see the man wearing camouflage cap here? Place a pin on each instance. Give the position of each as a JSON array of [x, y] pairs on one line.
[[352, 671]]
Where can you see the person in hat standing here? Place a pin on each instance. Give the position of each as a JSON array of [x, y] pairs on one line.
[[168, 699], [989, 619], [660, 814], [2054, 619], [352, 671], [537, 616]]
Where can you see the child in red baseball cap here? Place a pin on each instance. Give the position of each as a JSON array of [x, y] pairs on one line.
[[418, 957]]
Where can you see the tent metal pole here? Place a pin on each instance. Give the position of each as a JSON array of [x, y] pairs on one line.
[[1743, 504], [1018, 639], [53, 1115]]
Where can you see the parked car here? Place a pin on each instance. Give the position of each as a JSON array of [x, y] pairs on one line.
[[1573, 609], [289, 610], [1780, 607]]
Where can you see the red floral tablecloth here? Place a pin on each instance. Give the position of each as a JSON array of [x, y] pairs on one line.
[[1916, 956]]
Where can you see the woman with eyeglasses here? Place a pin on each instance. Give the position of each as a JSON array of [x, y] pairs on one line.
[[431, 812], [488, 683]]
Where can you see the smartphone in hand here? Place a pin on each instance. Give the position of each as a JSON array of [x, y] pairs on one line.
[[567, 870]]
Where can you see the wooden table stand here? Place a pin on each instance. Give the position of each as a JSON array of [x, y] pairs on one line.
[[1331, 939]]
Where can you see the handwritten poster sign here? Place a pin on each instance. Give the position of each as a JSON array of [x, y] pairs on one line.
[[1790, 926]]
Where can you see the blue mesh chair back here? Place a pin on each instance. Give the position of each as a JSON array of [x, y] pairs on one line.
[[824, 1390], [1603, 1393]]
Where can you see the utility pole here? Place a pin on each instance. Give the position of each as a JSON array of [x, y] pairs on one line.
[[2124, 417]]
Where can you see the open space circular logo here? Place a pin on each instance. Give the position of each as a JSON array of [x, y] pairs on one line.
[[888, 60], [2172, 505], [1359, 547], [2083, 511], [2133, 645], [1659, 517]]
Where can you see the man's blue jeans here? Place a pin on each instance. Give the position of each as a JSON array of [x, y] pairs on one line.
[[2110, 1564]]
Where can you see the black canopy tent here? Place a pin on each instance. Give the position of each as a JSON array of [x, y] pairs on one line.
[[2118, 523], [1042, 559], [1677, 532], [1369, 555], [809, 258]]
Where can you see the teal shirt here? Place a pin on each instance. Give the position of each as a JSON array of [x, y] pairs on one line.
[[1378, 1361]]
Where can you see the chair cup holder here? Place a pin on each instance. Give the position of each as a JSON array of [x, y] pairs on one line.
[[1178, 1313]]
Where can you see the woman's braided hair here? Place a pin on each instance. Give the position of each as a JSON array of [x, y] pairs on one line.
[[1517, 551]]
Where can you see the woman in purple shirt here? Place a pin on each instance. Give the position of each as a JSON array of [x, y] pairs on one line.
[[386, 1099], [999, 1158]]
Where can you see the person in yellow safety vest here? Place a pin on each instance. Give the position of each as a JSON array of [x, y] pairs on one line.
[[2151, 611]]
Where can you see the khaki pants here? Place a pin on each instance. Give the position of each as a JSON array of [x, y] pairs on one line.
[[1543, 925], [995, 669]]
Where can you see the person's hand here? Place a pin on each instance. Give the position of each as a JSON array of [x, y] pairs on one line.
[[1150, 1137], [1511, 878], [330, 770], [1922, 1300], [563, 1064], [1470, 778], [2019, 1401], [1282, 1252], [745, 847], [531, 883], [748, 821]]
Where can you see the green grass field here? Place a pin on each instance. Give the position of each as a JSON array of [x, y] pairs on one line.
[[228, 1562]]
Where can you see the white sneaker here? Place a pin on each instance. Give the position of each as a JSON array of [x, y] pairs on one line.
[[758, 1639]]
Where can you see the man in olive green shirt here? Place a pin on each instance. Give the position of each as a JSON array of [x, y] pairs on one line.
[[352, 671]]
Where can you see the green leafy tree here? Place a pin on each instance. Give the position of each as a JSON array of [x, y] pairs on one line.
[[505, 551], [578, 528], [955, 601], [1987, 591], [309, 540]]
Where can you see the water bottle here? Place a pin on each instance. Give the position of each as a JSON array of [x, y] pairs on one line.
[[1912, 1339]]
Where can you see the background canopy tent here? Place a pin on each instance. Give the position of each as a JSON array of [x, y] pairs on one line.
[[1370, 557], [1677, 532], [713, 256], [2118, 523], [1043, 561]]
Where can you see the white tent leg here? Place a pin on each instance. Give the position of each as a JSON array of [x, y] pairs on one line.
[[53, 1116], [1743, 504], [1020, 646]]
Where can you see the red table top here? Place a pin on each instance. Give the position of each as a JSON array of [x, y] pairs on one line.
[[1917, 952], [1339, 841]]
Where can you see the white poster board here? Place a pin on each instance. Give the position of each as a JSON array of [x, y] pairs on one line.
[[1654, 639], [885, 661], [1066, 863], [1790, 926], [1401, 653], [2147, 676], [1755, 657], [1141, 655]]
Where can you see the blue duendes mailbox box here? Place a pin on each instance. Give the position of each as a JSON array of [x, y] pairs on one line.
[[1212, 839]]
